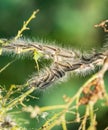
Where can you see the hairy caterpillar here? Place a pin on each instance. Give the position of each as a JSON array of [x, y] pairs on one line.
[[59, 70], [64, 61]]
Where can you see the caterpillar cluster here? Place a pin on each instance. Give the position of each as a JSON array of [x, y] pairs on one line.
[[64, 61]]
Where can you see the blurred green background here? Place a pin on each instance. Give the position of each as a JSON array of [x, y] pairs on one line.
[[70, 23]]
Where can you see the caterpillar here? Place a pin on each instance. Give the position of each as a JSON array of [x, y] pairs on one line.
[[20, 46], [59, 70], [64, 60]]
